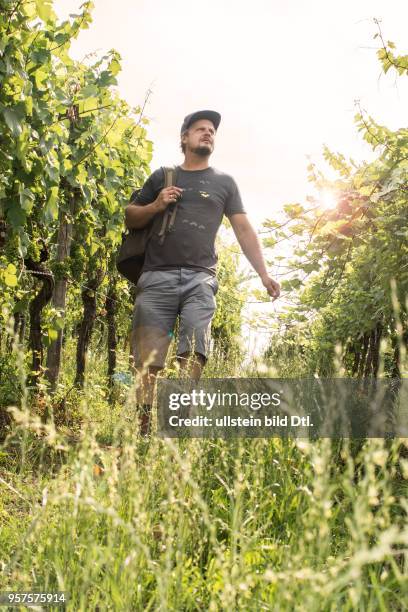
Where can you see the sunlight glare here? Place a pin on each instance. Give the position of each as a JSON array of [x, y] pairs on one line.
[[328, 199]]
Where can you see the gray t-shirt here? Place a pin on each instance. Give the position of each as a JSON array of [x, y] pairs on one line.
[[208, 195]]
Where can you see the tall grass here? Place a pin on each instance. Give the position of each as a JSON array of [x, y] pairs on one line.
[[125, 523]]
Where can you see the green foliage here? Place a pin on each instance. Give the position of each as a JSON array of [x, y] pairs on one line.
[[226, 324], [349, 269], [72, 152], [387, 56], [64, 128], [214, 524], [10, 389]]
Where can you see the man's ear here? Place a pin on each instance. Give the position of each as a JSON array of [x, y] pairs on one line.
[[184, 136]]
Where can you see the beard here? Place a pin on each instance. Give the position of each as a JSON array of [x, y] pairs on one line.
[[202, 150]]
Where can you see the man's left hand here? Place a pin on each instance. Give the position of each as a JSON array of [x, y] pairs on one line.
[[272, 287]]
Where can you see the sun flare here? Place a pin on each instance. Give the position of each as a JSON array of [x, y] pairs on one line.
[[328, 199]]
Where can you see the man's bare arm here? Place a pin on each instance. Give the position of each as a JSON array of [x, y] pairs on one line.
[[249, 243], [138, 215]]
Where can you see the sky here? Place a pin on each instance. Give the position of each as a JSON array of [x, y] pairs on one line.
[[284, 74]]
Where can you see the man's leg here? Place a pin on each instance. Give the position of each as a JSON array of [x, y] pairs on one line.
[[145, 396], [154, 316], [191, 365], [196, 312]]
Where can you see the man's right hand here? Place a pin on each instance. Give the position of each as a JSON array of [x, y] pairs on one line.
[[139, 216], [167, 196]]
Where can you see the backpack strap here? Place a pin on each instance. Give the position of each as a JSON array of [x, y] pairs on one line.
[[168, 218], [174, 211]]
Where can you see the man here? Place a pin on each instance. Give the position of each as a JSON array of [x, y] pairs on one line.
[[178, 276]]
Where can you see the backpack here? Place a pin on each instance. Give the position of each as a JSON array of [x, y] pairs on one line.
[[131, 254]]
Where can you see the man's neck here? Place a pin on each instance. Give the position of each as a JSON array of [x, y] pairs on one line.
[[195, 162]]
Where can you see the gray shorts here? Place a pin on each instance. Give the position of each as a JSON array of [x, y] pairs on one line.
[[162, 295]]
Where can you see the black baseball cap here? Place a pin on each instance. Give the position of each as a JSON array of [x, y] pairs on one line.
[[212, 116]]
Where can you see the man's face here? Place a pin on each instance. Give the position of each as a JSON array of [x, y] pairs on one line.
[[200, 137]]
